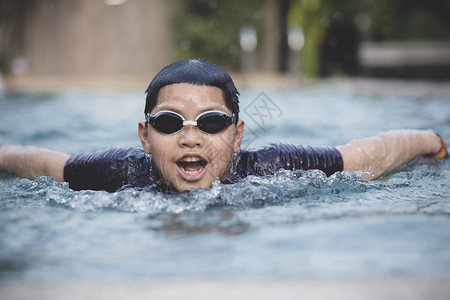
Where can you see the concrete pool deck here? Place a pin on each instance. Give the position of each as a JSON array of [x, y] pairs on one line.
[[262, 81], [397, 288]]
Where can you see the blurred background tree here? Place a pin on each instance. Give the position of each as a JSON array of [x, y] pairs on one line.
[[210, 29], [331, 36], [410, 20]]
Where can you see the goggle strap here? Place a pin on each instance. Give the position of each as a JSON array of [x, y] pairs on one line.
[[148, 118]]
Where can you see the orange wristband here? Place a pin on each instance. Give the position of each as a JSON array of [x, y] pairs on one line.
[[442, 151]]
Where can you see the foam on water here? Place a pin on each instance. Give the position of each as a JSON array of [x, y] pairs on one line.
[[284, 188]]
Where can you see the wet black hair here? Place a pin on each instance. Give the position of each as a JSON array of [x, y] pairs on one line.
[[194, 71]]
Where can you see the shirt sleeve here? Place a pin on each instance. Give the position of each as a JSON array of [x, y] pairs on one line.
[[273, 157], [107, 169]]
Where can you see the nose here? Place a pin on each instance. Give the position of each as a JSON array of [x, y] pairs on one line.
[[191, 137]]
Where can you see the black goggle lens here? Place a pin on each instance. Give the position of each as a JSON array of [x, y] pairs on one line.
[[213, 123], [168, 123]]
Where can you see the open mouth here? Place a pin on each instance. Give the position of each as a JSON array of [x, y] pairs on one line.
[[191, 168]]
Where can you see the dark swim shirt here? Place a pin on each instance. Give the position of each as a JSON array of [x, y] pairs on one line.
[[114, 168]]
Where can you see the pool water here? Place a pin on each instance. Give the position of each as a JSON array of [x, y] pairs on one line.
[[293, 225]]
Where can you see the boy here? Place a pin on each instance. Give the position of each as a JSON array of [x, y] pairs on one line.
[[192, 135]]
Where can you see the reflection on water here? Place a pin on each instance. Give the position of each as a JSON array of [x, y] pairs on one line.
[[192, 223], [298, 224]]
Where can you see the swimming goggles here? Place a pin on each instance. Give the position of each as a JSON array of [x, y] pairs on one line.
[[213, 121]]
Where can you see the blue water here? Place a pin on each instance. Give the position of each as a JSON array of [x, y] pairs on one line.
[[294, 225]]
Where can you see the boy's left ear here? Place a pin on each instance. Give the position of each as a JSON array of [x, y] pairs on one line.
[[143, 135], [239, 136]]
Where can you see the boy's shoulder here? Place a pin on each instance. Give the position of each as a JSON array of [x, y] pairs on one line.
[[270, 158], [111, 154], [107, 169]]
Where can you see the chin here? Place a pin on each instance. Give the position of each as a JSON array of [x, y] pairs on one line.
[[189, 186]]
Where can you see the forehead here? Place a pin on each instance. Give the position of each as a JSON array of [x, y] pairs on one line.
[[186, 95]]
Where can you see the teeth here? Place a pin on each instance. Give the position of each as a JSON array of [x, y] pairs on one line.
[[191, 159], [191, 172]]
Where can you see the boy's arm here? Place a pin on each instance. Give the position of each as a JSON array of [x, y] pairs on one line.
[[31, 162], [389, 150]]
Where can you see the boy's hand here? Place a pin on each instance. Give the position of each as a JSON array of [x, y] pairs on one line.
[[442, 152]]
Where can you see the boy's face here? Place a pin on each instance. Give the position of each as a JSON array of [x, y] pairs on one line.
[[191, 158]]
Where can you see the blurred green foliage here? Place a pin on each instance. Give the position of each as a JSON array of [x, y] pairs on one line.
[[210, 29], [410, 20], [330, 34], [332, 29]]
